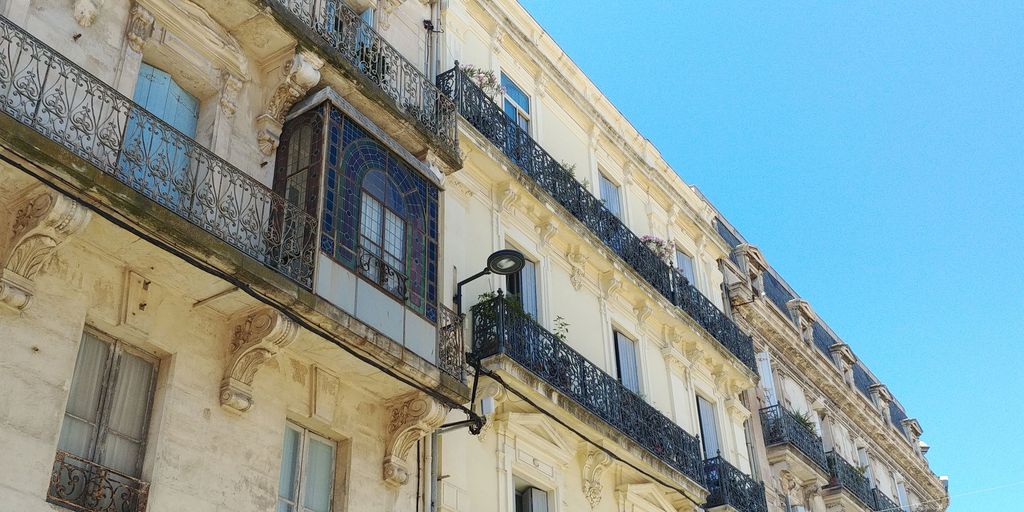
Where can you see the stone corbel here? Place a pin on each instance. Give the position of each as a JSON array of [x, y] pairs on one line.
[[42, 223], [229, 94], [85, 11], [506, 196], [410, 417], [299, 74], [547, 228], [611, 282], [578, 261], [256, 339], [140, 27], [594, 465], [643, 310]]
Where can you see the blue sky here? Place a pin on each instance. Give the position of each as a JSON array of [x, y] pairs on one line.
[[874, 151]]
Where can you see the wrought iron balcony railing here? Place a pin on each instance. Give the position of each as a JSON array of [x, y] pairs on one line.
[[500, 327], [781, 426], [83, 486], [45, 91], [882, 502], [730, 486], [390, 279], [342, 33], [489, 119], [850, 478], [451, 349]]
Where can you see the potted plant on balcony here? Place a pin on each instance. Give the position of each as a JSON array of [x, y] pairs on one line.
[[663, 249], [804, 419], [485, 79]]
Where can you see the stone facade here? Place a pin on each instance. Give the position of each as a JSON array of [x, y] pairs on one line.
[[191, 246]]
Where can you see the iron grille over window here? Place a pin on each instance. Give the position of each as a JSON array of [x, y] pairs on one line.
[[379, 216]]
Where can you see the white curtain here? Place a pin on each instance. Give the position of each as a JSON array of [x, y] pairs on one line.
[[81, 418], [287, 486], [764, 370], [528, 288], [319, 475], [610, 196], [625, 350], [708, 427], [129, 410]]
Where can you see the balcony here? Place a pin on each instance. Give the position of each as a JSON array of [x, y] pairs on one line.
[[730, 487], [845, 476], [781, 426], [488, 118], [882, 502], [499, 327], [340, 33], [83, 486], [45, 91]]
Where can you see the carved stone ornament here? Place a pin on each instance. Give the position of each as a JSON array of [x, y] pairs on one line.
[[229, 94], [593, 467], [611, 282], [300, 74], [578, 261], [85, 11], [256, 339], [41, 224], [140, 27], [410, 417]]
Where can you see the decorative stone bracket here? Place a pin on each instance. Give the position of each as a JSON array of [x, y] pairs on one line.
[[257, 339], [595, 463], [410, 417], [300, 74], [41, 224]]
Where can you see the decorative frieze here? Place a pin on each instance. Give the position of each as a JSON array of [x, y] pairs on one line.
[[299, 74], [410, 417], [256, 339], [42, 223]]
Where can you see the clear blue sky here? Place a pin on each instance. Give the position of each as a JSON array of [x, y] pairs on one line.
[[874, 151]]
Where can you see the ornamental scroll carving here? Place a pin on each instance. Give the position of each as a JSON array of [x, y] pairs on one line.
[[593, 467], [410, 417], [42, 223], [300, 73], [257, 339]]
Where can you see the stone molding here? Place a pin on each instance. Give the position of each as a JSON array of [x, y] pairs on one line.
[[42, 223], [594, 465], [140, 27], [410, 417], [255, 341], [299, 75]]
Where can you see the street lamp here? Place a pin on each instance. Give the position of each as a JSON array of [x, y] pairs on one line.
[[503, 263]]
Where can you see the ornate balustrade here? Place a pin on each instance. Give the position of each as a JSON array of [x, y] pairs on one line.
[[80, 485], [451, 349], [850, 478], [882, 502], [499, 327], [489, 119], [731, 487], [342, 33], [45, 91], [781, 426]]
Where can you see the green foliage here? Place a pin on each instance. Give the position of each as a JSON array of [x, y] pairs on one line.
[[561, 330]]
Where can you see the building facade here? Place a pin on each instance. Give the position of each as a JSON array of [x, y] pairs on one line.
[[241, 256]]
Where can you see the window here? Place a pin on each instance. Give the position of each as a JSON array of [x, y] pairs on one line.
[[108, 408], [103, 436], [530, 499], [685, 265], [610, 196], [708, 428], [307, 472], [523, 286], [382, 244], [901, 494], [764, 370], [864, 462], [517, 103], [626, 362], [153, 154]]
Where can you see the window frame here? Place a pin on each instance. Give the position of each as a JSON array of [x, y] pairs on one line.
[[516, 291], [713, 408], [693, 267], [109, 374], [602, 178], [382, 246], [300, 472], [618, 360], [524, 114]]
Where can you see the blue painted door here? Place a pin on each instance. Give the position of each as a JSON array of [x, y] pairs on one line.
[[154, 157]]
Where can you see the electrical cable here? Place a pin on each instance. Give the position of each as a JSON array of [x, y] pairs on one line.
[[242, 285], [584, 437]]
